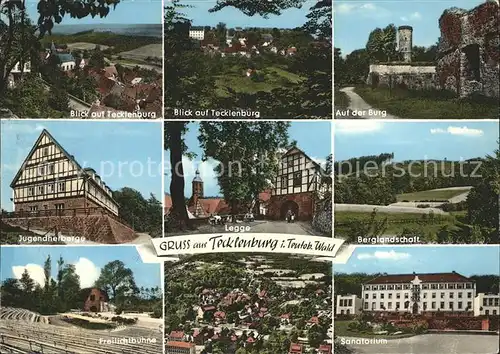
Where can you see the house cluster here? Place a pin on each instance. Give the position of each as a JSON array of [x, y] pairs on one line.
[[238, 44], [420, 294]]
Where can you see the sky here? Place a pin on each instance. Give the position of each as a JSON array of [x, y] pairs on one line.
[[466, 260], [232, 17], [88, 261], [314, 138], [124, 154], [355, 19], [126, 12], [453, 140]]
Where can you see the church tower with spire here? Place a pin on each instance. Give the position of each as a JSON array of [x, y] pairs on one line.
[[197, 185]]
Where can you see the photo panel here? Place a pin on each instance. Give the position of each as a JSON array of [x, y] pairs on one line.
[[248, 59], [416, 60], [418, 300], [76, 182], [416, 182], [83, 60], [249, 303], [81, 300], [233, 186]]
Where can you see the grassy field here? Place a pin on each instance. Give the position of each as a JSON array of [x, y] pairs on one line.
[[85, 46], [275, 77], [141, 53], [431, 195], [396, 222], [426, 105], [341, 328]]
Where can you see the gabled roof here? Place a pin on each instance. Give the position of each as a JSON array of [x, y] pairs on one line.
[[295, 149], [452, 277], [42, 134]]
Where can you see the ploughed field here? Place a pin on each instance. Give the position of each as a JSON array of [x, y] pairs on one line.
[[27, 332]]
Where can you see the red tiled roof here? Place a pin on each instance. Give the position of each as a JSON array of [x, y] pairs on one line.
[[110, 71], [285, 315], [175, 344], [295, 348], [325, 349], [167, 204], [208, 308], [425, 278], [177, 334], [220, 314], [250, 340]]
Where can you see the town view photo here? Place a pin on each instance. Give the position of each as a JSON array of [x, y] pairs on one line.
[[254, 177], [419, 59], [85, 60], [83, 300], [251, 303], [80, 182], [422, 299], [248, 59], [425, 182]]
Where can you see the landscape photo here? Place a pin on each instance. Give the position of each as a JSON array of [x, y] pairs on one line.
[[254, 177], [251, 303], [80, 182], [418, 60], [92, 60], [425, 182], [248, 59], [81, 300], [416, 300]]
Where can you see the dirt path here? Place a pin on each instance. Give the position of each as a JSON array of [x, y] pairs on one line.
[[359, 106]]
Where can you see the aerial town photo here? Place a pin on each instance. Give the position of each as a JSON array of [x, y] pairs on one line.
[[425, 182], [80, 300], [258, 177], [251, 303], [265, 59], [417, 60], [80, 185], [81, 61], [420, 299]]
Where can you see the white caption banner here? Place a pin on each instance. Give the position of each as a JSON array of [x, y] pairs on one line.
[[247, 242]]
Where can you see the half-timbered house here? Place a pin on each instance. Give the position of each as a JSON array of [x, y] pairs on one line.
[[51, 182], [297, 186]]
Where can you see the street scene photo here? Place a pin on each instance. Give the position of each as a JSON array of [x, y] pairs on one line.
[[248, 59], [251, 303], [107, 192], [80, 300], [418, 300], [255, 177], [416, 60], [425, 182], [82, 60]]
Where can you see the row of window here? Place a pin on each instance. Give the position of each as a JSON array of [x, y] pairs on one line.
[[296, 182], [491, 301], [345, 302], [423, 286], [59, 206], [51, 188], [451, 295], [426, 305]]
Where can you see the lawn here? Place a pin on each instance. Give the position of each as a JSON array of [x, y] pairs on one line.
[[144, 52], [427, 105], [431, 195], [275, 77], [396, 222], [341, 329]]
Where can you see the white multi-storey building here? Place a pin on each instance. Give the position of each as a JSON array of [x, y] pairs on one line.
[[348, 305], [486, 304], [418, 293], [197, 33]]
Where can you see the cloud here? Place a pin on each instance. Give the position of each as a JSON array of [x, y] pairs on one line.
[[320, 161], [464, 131], [412, 17], [87, 271], [384, 255], [357, 126], [35, 271], [365, 10]]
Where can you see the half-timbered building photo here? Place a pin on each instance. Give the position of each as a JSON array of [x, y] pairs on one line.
[[53, 196], [265, 177]]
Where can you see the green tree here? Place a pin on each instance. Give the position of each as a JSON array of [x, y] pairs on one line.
[[381, 45], [58, 99], [117, 279]]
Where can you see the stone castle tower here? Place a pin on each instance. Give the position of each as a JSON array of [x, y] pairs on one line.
[[197, 185], [405, 42]]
